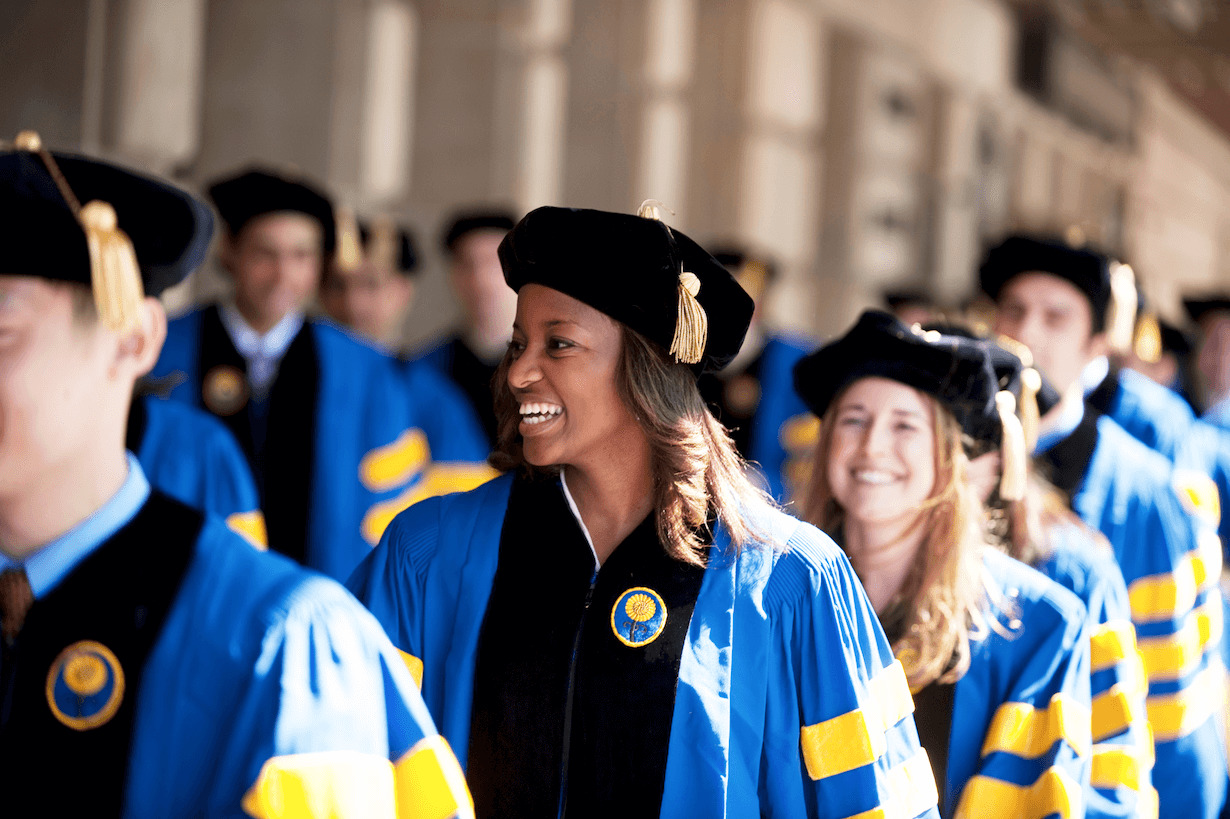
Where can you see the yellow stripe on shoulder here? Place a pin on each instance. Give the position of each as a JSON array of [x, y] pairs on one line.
[[1021, 729], [1174, 716], [1168, 596], [1112, 642], [910, 789], [1054, 792], [856, 738], [415, 665], [1198, 493], [438, 479], [328, 783], [392, 465], [430, 784], [1118, 708], [251, 526], [1120, 765], [1177, 655]]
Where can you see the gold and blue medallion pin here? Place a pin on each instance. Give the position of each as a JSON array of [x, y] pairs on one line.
[[85, 685], [224, 390], [638, 617]]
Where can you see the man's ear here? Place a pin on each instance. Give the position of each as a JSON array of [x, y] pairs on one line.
[[139, 349]]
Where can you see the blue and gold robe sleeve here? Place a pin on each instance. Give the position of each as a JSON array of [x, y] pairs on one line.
[[272, 693], [783, 429], [1171, 561], [1020, 741], [191, 456], [1121, 773]]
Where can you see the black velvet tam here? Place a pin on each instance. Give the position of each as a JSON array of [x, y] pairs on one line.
[[405, 257], [1201, 306], [628, 267], [256, 192], [1085, 269], [170, 229], [954, 370], [468, 221]]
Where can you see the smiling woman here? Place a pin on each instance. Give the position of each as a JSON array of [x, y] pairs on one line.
[[624, 624]]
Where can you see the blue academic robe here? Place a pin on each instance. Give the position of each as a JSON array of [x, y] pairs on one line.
[[337, 449], [788, 702], [1171, 561], [1162, 420], [1121, 773], [246, 686], [191, 456], [1020, 742], [783, 429]]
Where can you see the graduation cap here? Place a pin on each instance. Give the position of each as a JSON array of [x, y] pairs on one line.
[[468, 221], [956, 370], [638, 271], [81, 220], [379, 239], [1198, 307], [257, 192], [754, 273], [897, 299], [1109, 286]]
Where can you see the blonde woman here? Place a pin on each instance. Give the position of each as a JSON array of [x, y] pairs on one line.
[[997, 654], [623, 624]]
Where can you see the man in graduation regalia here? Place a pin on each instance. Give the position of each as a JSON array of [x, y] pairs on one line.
[[469, 354], [323, 418], [1211, 312], [152, 662], [1055, 299], [754, 397]]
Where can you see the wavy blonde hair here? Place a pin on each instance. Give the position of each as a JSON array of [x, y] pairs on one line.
[[945, 594], [698, 475]]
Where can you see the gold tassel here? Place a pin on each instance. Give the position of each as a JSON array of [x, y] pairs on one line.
[[1121, 315], [1012, 449], [118, 291], [382, 244], [114, 272], [1147, 343], [691, 323], [652, 209], [349, 249], [1031, 385]]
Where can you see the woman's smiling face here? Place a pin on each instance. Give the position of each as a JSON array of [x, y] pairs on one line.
[[563, 360], [881, 465]]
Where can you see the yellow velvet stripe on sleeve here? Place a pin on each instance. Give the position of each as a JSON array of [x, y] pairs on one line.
[[1120, 765], [856, 738], [1054, 792], [1117, 708], [392, 465], [251, 525], [909, 788], [1021, 729], [438, 479], [1199, 494], [330, 783], [415, 665], [1177, 655], [430, 784], [1169, 596], [1173, 716], [1112, 642]]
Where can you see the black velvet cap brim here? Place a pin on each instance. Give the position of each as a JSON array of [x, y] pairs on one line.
[[956, 371], [628, 267], [169, 228], [1198, 308], [242, 198], [407, 260], [469, 221], [1086, 270]]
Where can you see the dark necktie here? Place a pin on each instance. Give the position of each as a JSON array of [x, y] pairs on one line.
[[16, 597]]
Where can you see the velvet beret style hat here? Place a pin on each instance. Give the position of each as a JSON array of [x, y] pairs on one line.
[[468, 221], [404, 258], [634, 269], [1087, 270], [257, 192], [955, 371], [1198, 307], [169, 228]]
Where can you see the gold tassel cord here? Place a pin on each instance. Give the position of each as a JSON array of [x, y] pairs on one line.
[[1147, 342], [1031, 385], [1012, 449], [349, 248], [114, 272], [652, 209], [691, 323], [1121, 316]]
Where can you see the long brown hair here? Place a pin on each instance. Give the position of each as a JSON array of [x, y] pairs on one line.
[[942, 603], [697, 471]]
